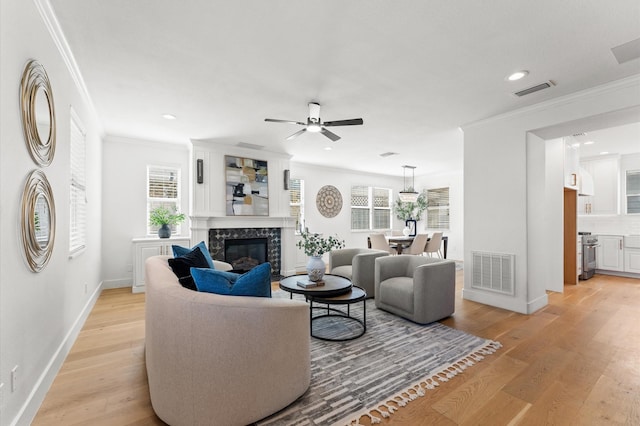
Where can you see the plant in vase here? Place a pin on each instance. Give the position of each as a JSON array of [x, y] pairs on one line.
[[163, 217], [407, 210], [315, 246]]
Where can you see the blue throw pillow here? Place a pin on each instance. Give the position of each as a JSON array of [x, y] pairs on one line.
[[256, 282], [181, 251]]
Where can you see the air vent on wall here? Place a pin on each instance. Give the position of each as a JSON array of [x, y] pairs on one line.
[[533, 89], [493, 272]]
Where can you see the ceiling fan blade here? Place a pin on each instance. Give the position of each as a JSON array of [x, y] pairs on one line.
[[273, 120], [352, 122], [329, 134], [296, 134]]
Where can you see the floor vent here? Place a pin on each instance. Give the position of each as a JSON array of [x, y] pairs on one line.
[[534, 89], [494, 272]]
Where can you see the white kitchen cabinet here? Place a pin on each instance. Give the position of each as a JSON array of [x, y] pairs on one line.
[[610, 254], [571, 164], [632, 254], [579, 262], [144, 248], [606, 182]]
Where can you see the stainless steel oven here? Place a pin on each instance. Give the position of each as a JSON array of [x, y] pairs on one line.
[[589, 246]]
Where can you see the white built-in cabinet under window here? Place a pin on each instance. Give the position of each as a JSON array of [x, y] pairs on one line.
[[163, 190], [78, 187]]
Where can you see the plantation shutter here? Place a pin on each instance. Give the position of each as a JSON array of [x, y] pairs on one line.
[[438, 208], [296, 201], [78, 188], [360, 207]]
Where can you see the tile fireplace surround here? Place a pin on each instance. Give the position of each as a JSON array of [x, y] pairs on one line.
[[217, 237], [279, 232]]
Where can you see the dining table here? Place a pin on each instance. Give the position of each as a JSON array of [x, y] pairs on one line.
[[400, 242]]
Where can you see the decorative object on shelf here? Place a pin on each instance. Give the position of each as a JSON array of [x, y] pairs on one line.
[[247, 191], [410, 210], [38, 113], [286, 179], [410, 224], [164, 218], [38, 221], [329, 201], [409, 194], [315, 246]]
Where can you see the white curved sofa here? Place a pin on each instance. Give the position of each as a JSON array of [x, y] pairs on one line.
[[221, 360]]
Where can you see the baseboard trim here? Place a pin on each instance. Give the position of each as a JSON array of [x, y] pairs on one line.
[[121, 283], [31, 406]]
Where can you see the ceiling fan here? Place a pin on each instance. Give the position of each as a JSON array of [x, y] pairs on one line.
[[315, 125]]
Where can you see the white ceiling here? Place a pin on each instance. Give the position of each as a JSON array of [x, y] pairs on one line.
[[414, 70], [613, 140]]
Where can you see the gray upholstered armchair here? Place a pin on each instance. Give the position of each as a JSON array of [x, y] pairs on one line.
[[356, 264], [417, 288]]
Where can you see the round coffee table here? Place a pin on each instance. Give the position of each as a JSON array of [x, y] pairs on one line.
[[339, 325], [334, 285]]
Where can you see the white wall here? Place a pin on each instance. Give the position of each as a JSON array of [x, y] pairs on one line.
[[496, 185], [125, 164], [41, 313]]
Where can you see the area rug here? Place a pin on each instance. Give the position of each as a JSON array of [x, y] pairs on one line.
[[393, 363]]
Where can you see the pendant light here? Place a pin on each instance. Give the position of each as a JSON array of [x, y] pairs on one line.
[[409, 195]]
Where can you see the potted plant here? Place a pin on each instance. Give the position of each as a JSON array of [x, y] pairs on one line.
[[315, 246], [407, 211], [164, 217]]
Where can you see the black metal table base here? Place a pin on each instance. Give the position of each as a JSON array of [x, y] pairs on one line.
[[337, 314]]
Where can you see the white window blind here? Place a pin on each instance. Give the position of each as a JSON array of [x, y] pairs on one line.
[[163, 190], [370, 208], [438, 208], [78, 187], [633, 191], [296, 202]]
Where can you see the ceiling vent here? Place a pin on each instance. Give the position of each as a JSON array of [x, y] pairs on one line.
[[249, 145], [388, 154], [627, 52], [533, 89]]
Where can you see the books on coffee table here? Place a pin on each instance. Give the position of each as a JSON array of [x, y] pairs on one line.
[[309, 283]]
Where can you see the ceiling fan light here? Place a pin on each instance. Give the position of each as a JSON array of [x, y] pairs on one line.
[[314, 127]]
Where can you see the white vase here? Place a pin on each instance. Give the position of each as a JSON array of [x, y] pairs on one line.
[[406, 231], [315, 268]]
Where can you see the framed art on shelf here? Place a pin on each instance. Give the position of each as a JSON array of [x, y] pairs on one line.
[[247, 186]]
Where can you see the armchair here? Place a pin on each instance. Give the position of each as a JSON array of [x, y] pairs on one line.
[[356, 264], [417, 288]]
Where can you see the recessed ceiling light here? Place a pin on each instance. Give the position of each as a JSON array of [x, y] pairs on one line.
[[168, 116], [518, 75], [604, 152], [575, 145], [589, 142], [327, 148]]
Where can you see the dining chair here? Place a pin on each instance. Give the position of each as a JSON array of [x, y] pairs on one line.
[[418, 245], [379, 242], [433, 246]]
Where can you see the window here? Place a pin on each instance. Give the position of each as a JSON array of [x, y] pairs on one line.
[[370, 208], [296, 202], [78, 188], [633, 191], [163, 190], [438, 208]]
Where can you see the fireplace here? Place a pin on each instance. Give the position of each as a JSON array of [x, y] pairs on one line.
[[245, 254], [221, 238]]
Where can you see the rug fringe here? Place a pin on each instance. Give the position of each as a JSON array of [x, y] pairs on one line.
[[417, 390]]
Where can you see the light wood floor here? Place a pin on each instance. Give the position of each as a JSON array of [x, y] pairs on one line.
[[575, 362]]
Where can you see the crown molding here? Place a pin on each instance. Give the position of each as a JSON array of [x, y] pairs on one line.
[[633, 80], [53, 26]]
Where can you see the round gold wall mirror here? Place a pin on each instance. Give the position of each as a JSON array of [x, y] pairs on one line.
[[38, 221], [38, 113]]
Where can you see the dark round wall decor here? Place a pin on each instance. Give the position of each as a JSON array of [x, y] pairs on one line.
[[329, 201]]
